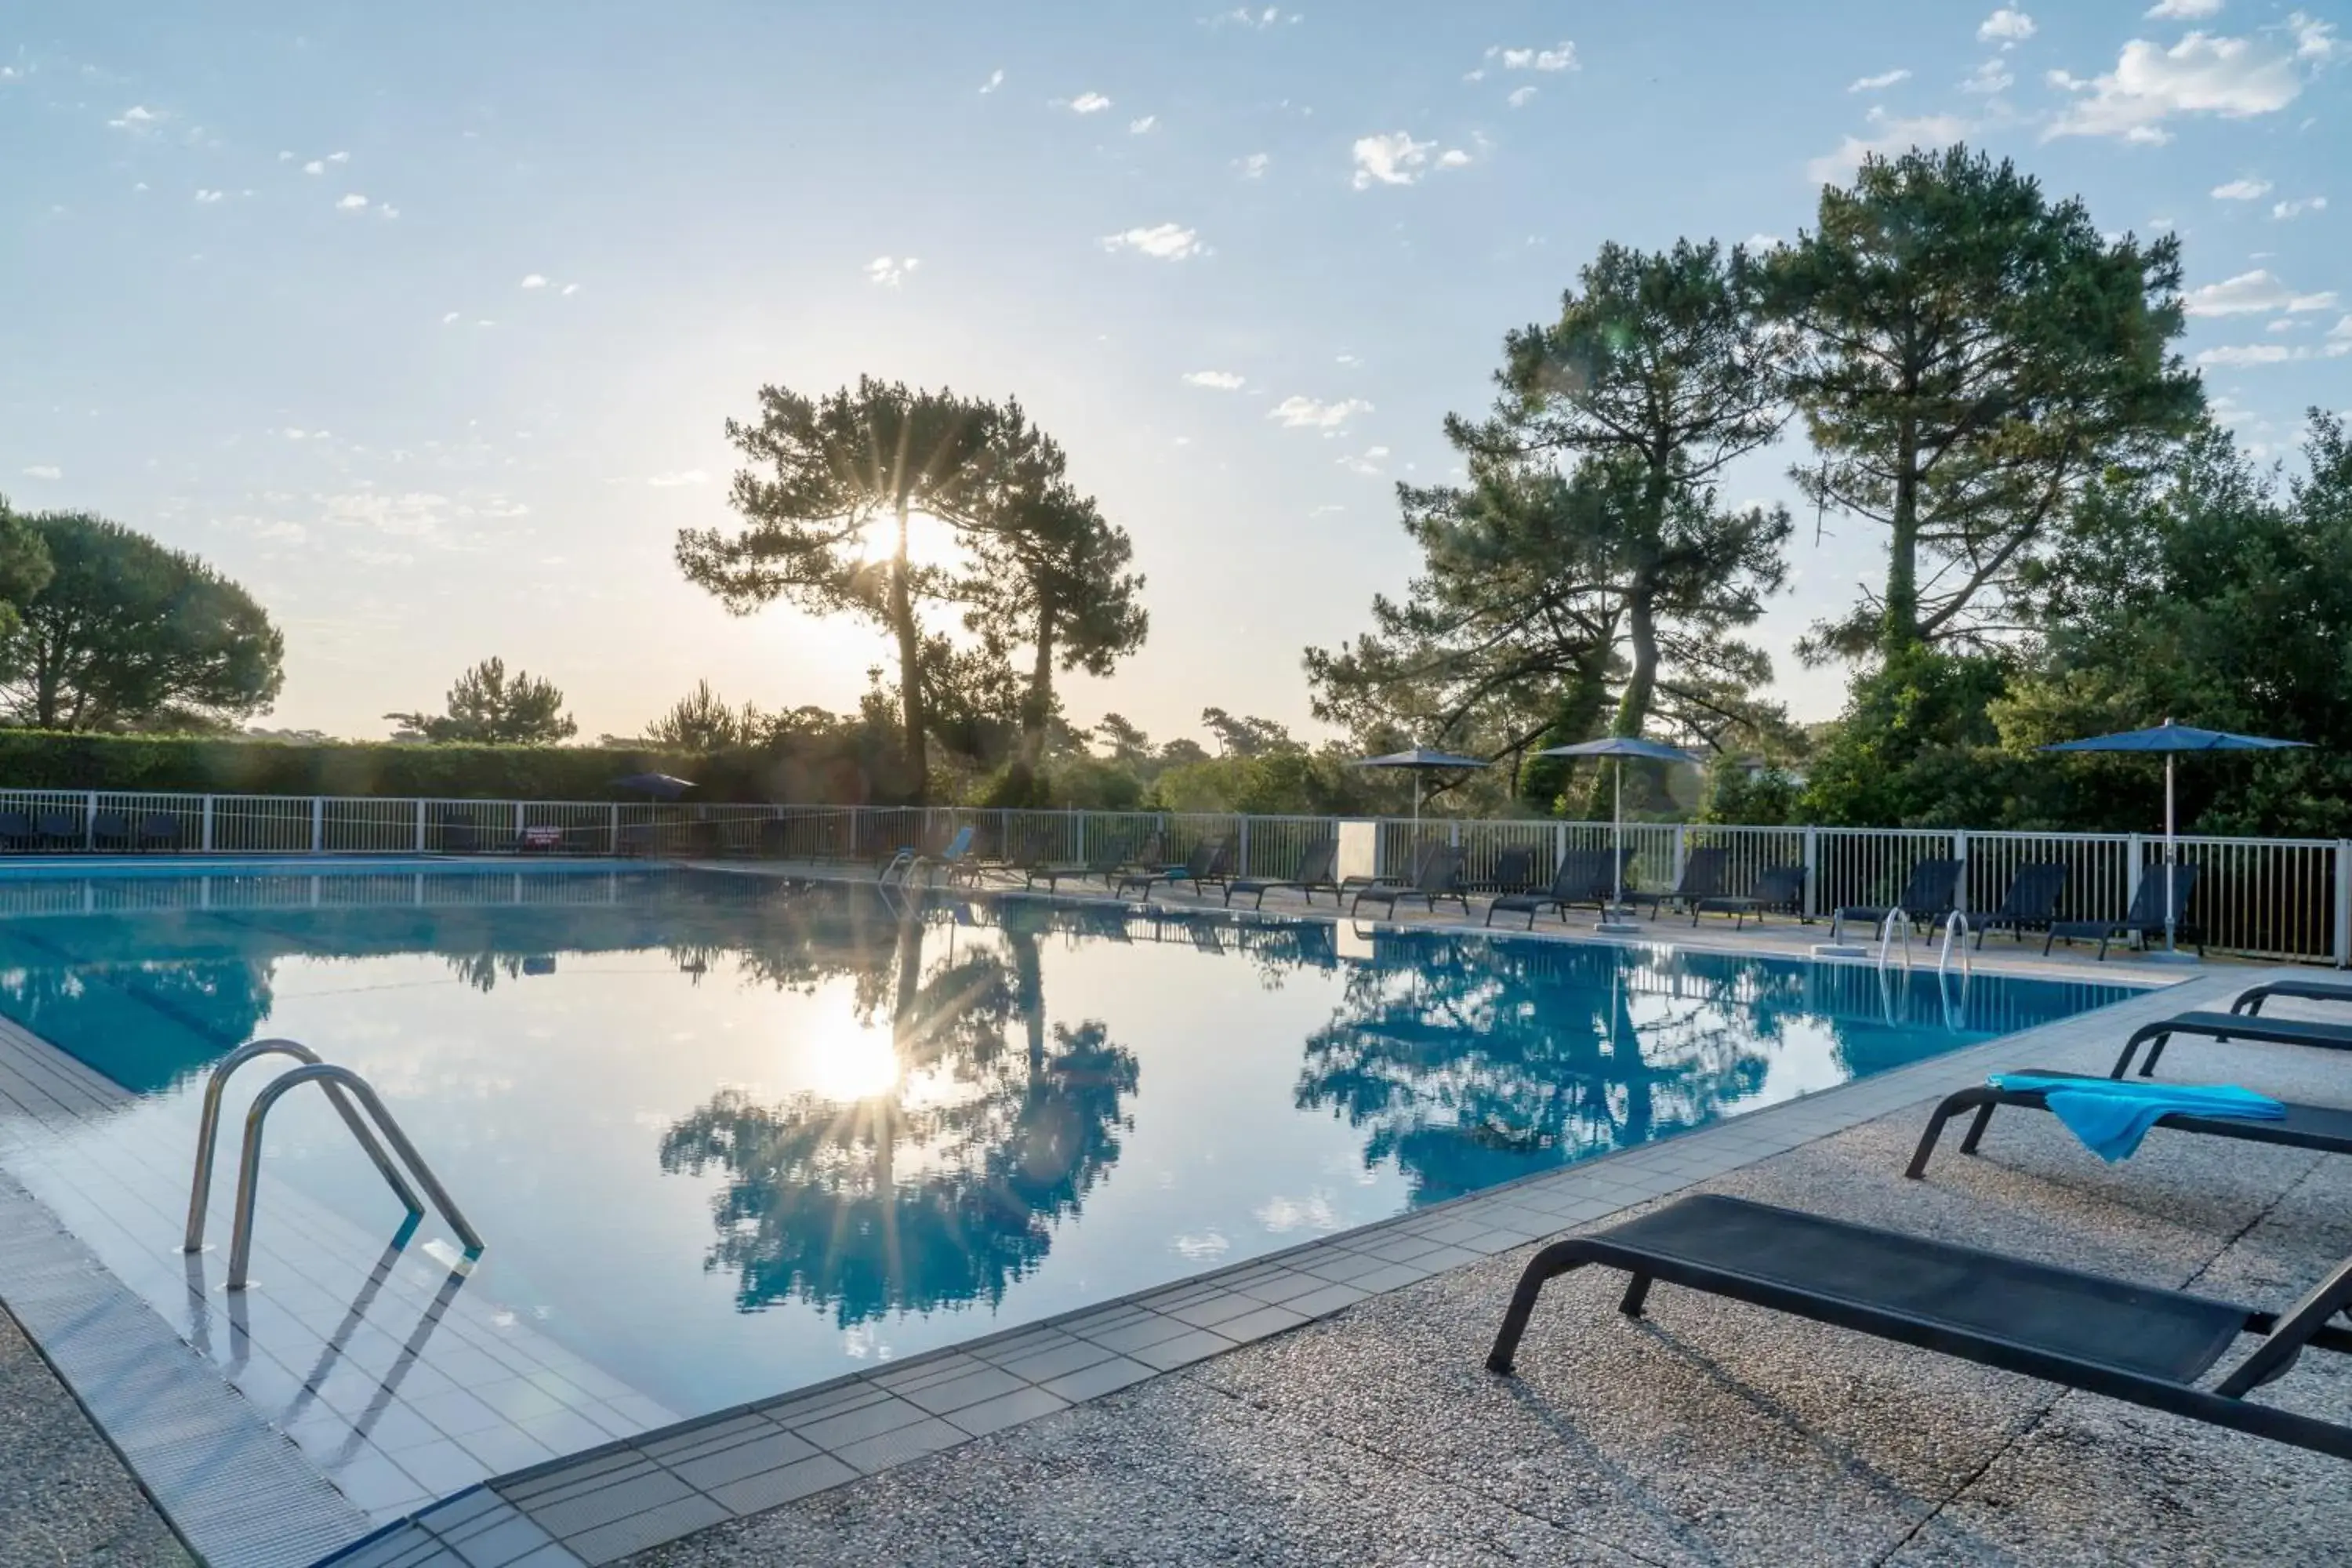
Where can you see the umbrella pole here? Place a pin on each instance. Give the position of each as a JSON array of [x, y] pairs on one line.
[[2171, 853], [1617, 845]]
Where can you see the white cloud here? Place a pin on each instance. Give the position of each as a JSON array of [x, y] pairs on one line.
[[1164, 242], [339, 157], [568, 290], [2007, 27], [285, 157], [351, 204], [2241, 355], [1089, 103], [1561, 56], [2233, 77], [1992, 76], [1215, 380], [995, 79], [386, 210], [208, 197], [2182, 10], [1137, 126], [1873, 83], [681, 476], [1520, 97], [534, 280], [1892, 134], [1305, 414], [2341, 332], [1396, 159], [138, 117], [315, 166], [2251, 291], [1765, 242], [2297, 208], [890, 271], [1254, 167], [2242, 190], [45, 471], [449, 318], [1255, 19], [1347, 359], [1368, 463]]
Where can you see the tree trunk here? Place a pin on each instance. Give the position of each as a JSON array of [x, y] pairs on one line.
[[1641, 687], [1039, 705], [1899, 629], [910, 667], [1547, 779]]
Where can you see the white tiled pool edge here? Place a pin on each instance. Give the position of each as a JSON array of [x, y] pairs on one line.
[[605, 1503]]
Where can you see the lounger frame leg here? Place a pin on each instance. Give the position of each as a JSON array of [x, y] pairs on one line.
[[2157, 1033], [1558, 1259], [1637, 1291], [1976, 1127], [1980, 1098]]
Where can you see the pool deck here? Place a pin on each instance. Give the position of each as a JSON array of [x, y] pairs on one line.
[[1328, 1404]]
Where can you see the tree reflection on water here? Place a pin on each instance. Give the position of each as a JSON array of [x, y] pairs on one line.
[[945, 1187]]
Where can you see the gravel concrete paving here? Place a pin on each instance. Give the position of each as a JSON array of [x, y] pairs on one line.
[[65, 1497], [1707, 1433]]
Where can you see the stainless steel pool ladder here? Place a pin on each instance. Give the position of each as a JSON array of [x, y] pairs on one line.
[[1896, 919], [336, 1081], [1955, 934]]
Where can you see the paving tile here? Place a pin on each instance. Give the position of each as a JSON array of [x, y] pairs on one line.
[[611, 1543], [577, 1475], [501, 1545], [1211, 1311], [1065, 1358], [1099, 1379], [1330, 1299], [602, 1505], [774, 1451], [930, 1368], [1131, 1337], [704, 1436], [1257, 1324], [773, 1488], [857, 1426], [1027, 1342], [899, 1445], [940, 1398], [800, 1410], [1006, 1410], [1196, 1345]]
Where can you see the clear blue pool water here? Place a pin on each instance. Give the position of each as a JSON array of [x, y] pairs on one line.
[[726, 1136]]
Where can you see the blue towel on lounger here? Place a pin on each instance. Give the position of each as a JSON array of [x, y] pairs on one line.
[[2112, 1115]]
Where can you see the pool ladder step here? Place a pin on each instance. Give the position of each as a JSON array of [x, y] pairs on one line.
[[342, 1087]]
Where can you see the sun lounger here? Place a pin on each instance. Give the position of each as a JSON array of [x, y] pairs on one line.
[[1210, 864], [2144, 919], [1514, 871], [111, 830], [2135, 1342], [2250, 1001], [1779, 889], [2230, 1027], [1314, 873], [17, 830], [1440, 877], [2029, 904], [159, 830], [1585, 876], [2320, 1127], [60, 829], [1705, 873], [1418, 858], [459, 836], [1108, 861], [1928, 896]]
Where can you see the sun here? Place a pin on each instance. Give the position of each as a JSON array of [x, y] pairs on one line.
[[853, 1064], [930, 542]]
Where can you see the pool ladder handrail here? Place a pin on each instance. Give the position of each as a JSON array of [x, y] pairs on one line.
[[1956, 926], [1896, 919], [342, 1086]]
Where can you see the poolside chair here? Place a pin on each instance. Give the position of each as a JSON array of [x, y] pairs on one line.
[[2030, 903], [2323, 1128], [1209, 865], [2251, 1000], [1440, 877], [2145, 918], [635, 840], [1314, 872], [17, 830], [1705, 875], [1418, 858], [1514, 871], [2131, 1342], [159, 830], [459, 836], [1927, 897], [1107, 860], [2229, 1027], [111, 830], [60, 829], [1779, 889], [1585, 876]]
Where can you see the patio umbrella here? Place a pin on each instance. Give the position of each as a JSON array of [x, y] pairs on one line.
[[1620, 747], [1419, 761], [661, 786], [2171, 740]]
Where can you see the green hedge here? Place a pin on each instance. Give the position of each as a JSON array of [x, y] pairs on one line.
[[815, 771]]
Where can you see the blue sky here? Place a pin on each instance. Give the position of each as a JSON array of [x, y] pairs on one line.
[[423, 320]]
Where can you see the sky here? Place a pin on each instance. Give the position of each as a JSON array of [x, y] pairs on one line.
[[424, 321]]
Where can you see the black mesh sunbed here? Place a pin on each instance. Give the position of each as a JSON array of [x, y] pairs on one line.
[[2251, 999], [1780, 888], [2128, 1341], [2321, 1127], [1585, 876], [1439, 876], [2030, 903], [1208, 865], [2229, 1027], [1927, 896], [1314, 872], [2145, 918]]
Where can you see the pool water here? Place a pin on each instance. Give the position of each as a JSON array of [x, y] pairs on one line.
[[726, 1135]]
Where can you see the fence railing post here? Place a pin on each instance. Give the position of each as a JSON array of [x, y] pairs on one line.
[[2138, 849], [204, 832], [420, 826], [317, 826], [2343, 932], [89, 820], [1960, 853], [517, 822], [613, 831], [1681, 853], [1079, 828], [1242, 860], [1813, 871]]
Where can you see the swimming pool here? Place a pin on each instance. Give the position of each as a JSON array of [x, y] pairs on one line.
[[725, 1135]]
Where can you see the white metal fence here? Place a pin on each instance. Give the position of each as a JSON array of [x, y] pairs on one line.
[[2289, 898]]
